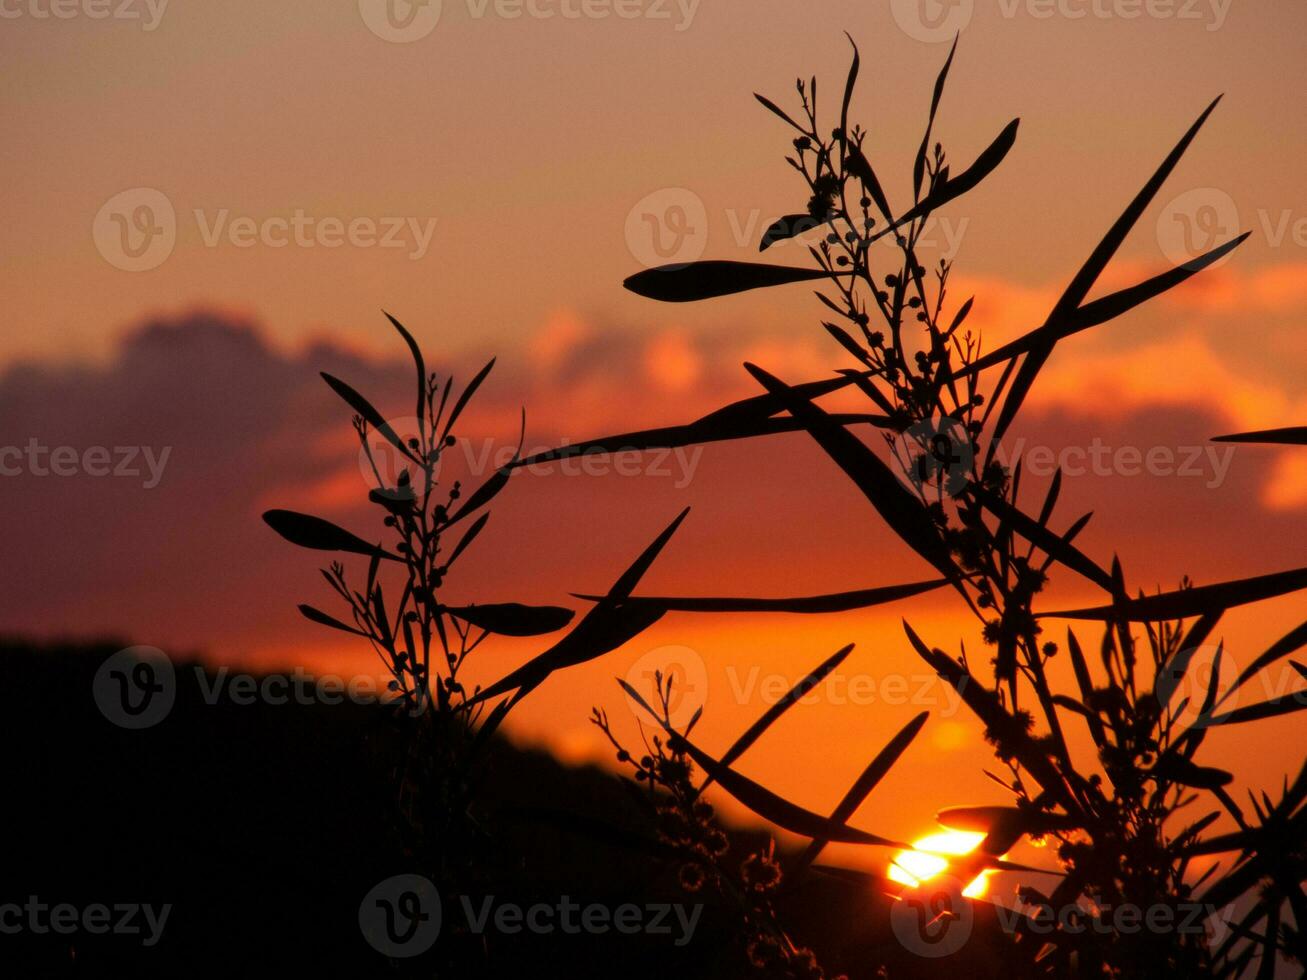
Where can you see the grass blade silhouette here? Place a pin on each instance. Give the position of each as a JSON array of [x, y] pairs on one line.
[[1084, 280], [865, 783], [830, 603]]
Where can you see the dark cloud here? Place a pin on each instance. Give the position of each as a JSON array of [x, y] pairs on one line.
[[245, 426]]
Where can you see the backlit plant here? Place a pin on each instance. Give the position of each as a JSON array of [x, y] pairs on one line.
[[1114, 819]]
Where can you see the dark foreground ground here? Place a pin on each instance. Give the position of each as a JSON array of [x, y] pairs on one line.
[[263, 827]]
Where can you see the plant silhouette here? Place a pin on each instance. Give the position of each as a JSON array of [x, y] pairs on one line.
[[1114, 820], [423, 639]]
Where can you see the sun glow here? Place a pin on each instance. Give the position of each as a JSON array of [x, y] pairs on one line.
[[924, 861]]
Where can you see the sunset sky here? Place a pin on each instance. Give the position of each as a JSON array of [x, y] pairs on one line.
[[519, 166]]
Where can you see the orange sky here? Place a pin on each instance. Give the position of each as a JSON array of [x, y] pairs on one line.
[[528, 149]]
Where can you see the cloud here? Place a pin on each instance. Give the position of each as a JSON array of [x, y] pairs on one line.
[[246, 425]]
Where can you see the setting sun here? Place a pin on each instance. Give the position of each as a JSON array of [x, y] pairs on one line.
[[924, 862]]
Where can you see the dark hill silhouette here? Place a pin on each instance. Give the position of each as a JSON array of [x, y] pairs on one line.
[[263, 826]]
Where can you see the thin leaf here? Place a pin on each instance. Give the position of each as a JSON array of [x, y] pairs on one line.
[[901, 510], [786, 227], [984, 165], [312, 532], [612, 622], [856, 163], [466, 397], [1293, 436], [768, 805], [1197, 601], [318, 616], [919, 164], [1084, 280], [766, 102], [1266, 709], [491, 488], [468, 537], [1083, 679], [418, 362], [1177, 769], [849, 83], [1290, 643], [770, 716], [1056, 547], [1173, 671], [832, 603], [685, 283], [364, 408], [865, 783], [704, 431], [513, 618], [1101, 311]]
